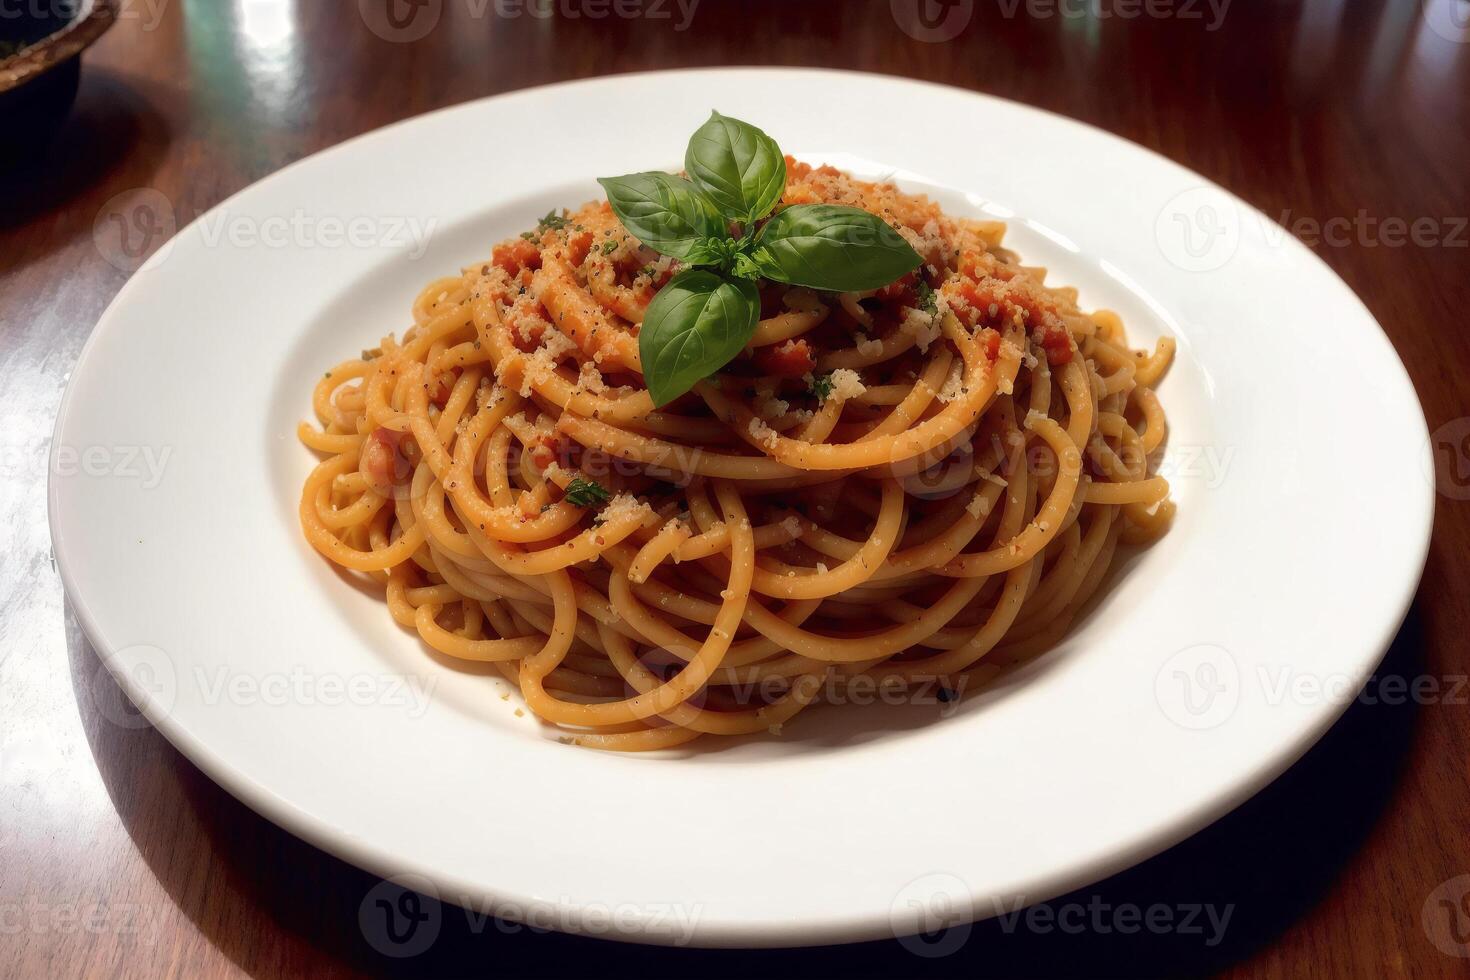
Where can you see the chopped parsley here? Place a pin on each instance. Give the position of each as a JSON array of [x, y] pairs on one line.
[[927, 302], [609, 247], [821, 386], [551, 222], [585, 493]]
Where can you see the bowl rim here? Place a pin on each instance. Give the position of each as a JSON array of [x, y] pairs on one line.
[[93, 20]]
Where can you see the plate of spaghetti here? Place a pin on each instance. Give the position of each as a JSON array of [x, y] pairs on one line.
[[819, 484]]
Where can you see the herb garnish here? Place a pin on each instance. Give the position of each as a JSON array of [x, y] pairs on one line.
[[584, 493], [821, 386], [927, 302], [713, 219]]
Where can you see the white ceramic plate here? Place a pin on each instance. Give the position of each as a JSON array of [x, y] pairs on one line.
[[1298, 454]]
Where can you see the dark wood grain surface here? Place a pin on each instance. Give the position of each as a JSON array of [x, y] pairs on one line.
[[1345, 120]]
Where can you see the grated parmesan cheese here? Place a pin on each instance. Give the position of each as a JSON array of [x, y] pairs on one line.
[[869, 348], [846, 384], [923, 327], [530, 326], [541, 365], [763, 434], [487, 393], [626, 505], [590, 379]]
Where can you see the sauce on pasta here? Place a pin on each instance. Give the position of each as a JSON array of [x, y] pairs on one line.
[[919, 486]]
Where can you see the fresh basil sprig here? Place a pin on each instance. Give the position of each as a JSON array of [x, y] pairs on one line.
[[666, 213], [699, 319], [705, 316], [825, 246], [738, 167]]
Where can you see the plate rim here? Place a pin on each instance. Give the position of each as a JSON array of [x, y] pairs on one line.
[[720, 933]]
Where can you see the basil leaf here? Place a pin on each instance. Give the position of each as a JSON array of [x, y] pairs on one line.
[[738, 167], [664, 212], [694, 326], [825, 246], [584, 493]]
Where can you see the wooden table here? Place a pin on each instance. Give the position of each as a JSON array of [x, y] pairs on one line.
[[1343, 120]]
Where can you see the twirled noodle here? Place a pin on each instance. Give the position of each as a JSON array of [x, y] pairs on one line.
[[920, 485]]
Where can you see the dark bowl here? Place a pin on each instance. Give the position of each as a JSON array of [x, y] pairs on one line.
[[40, 64]]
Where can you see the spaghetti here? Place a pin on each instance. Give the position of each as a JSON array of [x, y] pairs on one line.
[[918, 486]]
